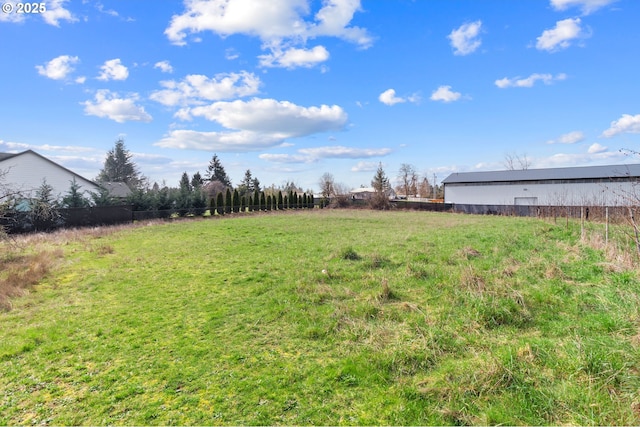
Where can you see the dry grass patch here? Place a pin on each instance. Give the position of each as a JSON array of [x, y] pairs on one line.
[[471, 281], [22, 272]]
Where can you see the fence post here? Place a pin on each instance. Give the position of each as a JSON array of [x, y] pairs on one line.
[[606, 225], [581, 222]]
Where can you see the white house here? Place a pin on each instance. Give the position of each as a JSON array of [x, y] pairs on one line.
[[26, 171], [574, 186], [367, 193]]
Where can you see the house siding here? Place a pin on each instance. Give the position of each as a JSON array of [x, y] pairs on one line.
[[26, 171]]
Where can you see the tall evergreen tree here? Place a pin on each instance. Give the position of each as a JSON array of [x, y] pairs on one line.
[[236, 201], [263, 201], [246, 186], [102, 197], [255, 184], [118, 167], [216, 172], [227, 201], [220, 204], [198, 195], [184, 197], [197, 181], [256, 201], [74, 198], [380, 184], [44, 208]]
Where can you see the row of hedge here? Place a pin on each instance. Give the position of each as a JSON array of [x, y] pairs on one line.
[[228, 202]]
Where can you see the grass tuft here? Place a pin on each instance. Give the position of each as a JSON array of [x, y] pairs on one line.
[[350, 254]]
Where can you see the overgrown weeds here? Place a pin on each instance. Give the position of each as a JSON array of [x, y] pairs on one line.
[[21, 272]]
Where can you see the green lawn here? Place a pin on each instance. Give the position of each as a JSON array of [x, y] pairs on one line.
[[328, 317]]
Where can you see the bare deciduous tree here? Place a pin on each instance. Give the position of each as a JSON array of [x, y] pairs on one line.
[[513, 161], [327, 185], [408, 179]]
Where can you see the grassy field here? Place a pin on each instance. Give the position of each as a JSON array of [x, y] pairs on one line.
[[327, 317]]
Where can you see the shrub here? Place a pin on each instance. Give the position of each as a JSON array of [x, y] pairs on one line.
[[220, 204], [236, 201], [227, 202]]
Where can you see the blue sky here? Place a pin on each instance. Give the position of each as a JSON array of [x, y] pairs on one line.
[[291, 89]]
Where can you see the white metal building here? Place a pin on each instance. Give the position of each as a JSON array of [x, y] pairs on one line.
[[26, 171], [574, 186]]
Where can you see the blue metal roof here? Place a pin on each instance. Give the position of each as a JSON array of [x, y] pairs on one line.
[[585, 172]]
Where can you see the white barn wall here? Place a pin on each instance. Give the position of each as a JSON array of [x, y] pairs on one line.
[[25, 172], [574, 194]]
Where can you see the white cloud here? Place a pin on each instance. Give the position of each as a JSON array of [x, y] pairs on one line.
[[108, 105], [58, 68], [341, 152], [365, 167], [196, 88], [600, 155], [464, 39], [254, 125], [445, 94], [310, 155], [334, 18], [272, 117], [568, 138], [389, 97], [283, 26], [56, 13], [164, 66], [625, 124], [561, 36], [529, 81], [596, 148], [587, 6], [272, 21], [234, 141], [293, 58], [285, 158], [46, 147], [231, 54], [113, 70], [110, 12]]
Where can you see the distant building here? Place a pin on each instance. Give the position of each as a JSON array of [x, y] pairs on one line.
[[26, 171], [573, 186], [117, 190], [366, 193]]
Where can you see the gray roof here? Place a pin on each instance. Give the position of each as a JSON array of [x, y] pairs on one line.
[[116, 189], [4, 156], [585, 172]]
